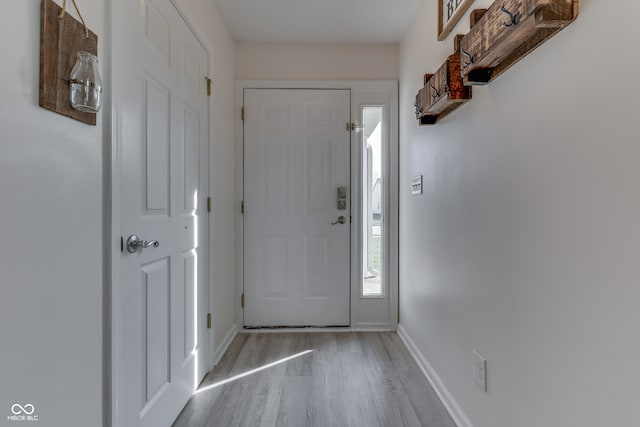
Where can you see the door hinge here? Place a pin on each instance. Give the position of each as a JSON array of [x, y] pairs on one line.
[[242, 301], [208, 86], [353, 126], [121, 244], [242, 114], [208, 320], [242, 207], [208, 204]]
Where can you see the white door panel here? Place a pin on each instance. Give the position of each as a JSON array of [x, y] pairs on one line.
[[296, 155], [161, 134]]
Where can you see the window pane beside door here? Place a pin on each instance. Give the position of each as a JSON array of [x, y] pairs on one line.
[[372, 202]]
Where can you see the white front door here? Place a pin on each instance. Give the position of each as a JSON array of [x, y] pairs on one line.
[[296, 253], [161, 133]]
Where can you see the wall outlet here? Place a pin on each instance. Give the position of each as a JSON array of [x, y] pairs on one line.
[[480, 370], [416, 185]]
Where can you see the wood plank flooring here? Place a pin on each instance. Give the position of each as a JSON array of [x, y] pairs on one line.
[[315, 380]]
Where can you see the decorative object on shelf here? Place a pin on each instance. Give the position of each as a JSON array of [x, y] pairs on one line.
[[443, 91], [449, 13], [507, 32], [61, 38]]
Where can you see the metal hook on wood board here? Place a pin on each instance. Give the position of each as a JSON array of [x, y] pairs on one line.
[[471, 60], [435, 92], [515, 17]]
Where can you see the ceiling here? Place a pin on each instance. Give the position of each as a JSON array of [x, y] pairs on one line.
[[318, 21]]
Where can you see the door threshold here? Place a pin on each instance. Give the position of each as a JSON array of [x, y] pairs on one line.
[[295, 329]]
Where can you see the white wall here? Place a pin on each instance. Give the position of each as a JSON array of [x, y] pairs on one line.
[[525, 243], [205, 17], [50, 237], [262, 61]]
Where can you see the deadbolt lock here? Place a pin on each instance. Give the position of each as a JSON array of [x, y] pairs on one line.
[[342, 198]]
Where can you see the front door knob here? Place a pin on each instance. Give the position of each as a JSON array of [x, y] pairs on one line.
[[341, 220]]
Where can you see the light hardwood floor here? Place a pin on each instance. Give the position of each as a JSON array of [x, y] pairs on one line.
[[329, 380]]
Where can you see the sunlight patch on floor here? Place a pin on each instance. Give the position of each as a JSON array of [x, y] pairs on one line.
[[252, 371]]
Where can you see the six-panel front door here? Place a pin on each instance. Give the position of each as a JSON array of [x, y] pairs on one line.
[[161, 131], [296, 247]]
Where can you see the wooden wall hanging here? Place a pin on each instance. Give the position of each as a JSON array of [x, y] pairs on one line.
[[449, 13], [60, 41], [443, 91], [507, 32]]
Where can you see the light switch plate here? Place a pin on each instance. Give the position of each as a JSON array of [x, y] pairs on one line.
[[416, 185], [480, 370]]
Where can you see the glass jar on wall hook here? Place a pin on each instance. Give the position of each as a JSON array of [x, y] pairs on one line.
[[85, 84]]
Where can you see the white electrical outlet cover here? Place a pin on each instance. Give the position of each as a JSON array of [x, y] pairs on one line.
[[480, 370]]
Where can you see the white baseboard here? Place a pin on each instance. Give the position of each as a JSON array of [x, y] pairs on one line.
[[373, 327], [224, 345], [454, 409]]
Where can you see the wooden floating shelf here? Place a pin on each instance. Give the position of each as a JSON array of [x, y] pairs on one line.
[[507, 32], [443, 91]]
